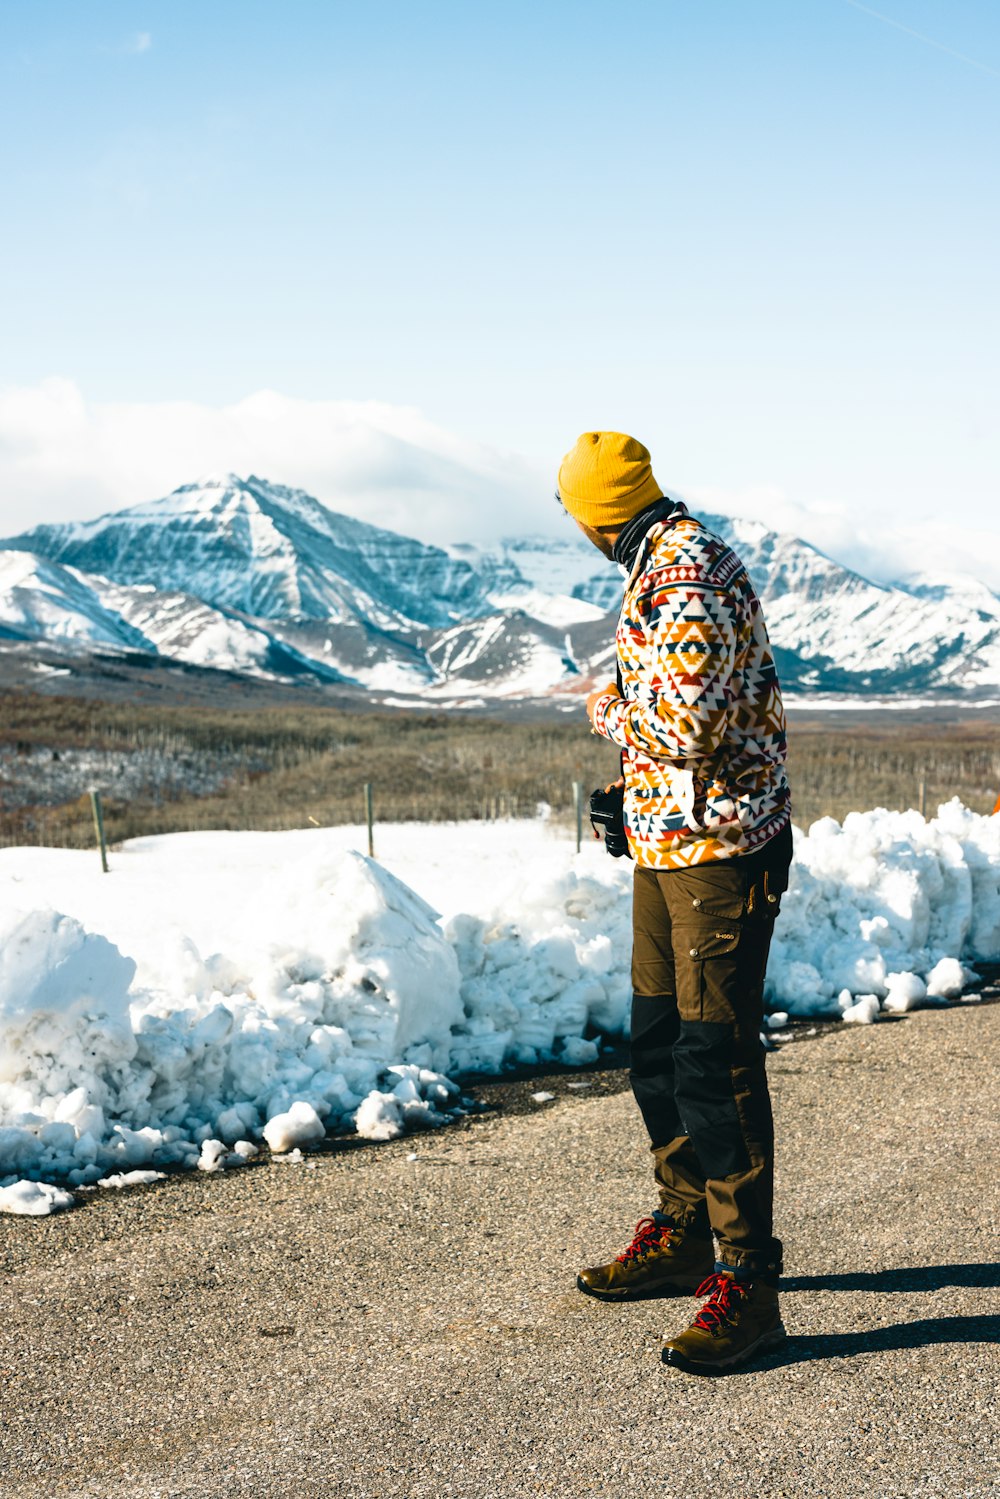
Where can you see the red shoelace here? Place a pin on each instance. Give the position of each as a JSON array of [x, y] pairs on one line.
[[648, 1234], [724, 1295]]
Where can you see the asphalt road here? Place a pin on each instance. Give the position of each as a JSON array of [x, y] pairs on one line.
[[402, 1319]]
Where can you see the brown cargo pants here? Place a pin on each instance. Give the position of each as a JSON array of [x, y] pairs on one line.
[[700, 943]]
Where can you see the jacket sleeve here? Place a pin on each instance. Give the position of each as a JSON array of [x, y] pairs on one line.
[[677, 689]]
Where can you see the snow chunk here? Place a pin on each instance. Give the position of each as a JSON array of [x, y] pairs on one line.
[[577, 1052], [300, 1126], [212, 1155], [63, 995], [35, 1199], [905, 991], [946, 979], [864, 1012], [412, 1103], [380, 1117], [131, 1179]]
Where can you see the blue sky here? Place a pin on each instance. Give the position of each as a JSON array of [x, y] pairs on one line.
[[762, 237]]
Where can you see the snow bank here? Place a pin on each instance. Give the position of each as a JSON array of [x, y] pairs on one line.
[[280, 1038], [221, 988], [886, 905]]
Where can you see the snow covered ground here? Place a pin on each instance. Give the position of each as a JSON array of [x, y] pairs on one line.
[[220, 988]]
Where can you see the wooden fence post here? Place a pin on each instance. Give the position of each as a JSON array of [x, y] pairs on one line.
[[923, 796], [95, 807], [578, 809], [370, 819]]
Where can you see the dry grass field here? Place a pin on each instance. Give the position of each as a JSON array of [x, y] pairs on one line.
[[165, 769]]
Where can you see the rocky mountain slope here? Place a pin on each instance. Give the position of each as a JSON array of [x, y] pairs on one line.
[[257, 579]]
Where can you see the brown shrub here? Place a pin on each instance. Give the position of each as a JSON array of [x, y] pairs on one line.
[[287, 767]]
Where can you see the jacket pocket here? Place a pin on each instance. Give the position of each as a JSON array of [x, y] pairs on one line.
[[708, 964], [714, 891]]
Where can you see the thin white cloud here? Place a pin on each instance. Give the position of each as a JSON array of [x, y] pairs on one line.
[[870, 545], [64, 458], [130, 46]]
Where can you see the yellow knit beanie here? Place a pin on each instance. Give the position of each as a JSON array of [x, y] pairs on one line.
[[606, 479]]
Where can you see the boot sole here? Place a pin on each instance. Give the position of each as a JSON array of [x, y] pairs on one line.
[[767, 1341], [654, 1293]]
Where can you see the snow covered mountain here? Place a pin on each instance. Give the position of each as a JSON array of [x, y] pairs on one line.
[[271, 552], [42, 600], [833, 630], [837, 630], [254, 578]]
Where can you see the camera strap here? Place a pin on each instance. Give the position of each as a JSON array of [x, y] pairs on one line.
[[621, 753]]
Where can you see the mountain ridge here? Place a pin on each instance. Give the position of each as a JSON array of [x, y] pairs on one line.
[[258, 578]]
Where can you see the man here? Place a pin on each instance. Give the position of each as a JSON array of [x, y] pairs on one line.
[[697, 713]]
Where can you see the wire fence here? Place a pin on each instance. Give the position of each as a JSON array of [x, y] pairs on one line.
[[171, 770]]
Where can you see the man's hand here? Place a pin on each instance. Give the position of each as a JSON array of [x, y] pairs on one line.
[[592, 700]]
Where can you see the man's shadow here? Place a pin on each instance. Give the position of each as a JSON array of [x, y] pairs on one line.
[[925, 1332], [914, 1278]]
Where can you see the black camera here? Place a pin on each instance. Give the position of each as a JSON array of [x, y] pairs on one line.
[[607, 815]]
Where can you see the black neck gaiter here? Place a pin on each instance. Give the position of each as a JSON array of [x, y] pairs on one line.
[[632, 535]]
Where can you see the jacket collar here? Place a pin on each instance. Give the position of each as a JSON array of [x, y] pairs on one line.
[[630, 538]]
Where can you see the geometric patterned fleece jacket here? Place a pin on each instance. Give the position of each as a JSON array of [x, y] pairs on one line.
[[700, 723]]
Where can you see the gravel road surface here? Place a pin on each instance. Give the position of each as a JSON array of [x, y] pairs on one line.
[[402, 1319]]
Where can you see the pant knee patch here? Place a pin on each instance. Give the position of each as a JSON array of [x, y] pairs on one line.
[[703, 1070]]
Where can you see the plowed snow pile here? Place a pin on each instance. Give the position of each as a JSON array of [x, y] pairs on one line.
[[220, 988]]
